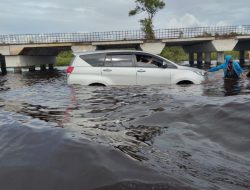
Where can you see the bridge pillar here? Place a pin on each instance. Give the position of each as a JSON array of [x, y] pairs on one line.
[[208, 58], [242, 57], [199, 59], [32, 69], [3, 65], [191, 59], [43, 67], [220, 57], [51, 67]]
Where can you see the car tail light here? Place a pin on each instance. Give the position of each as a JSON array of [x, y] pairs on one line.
[[70, 69]]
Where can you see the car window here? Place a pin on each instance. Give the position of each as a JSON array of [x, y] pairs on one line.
[[118, 60], [148, 61], [108, 61], [95, 60], [169, 65]]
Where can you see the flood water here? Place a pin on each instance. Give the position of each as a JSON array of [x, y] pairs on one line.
[[59, 137]]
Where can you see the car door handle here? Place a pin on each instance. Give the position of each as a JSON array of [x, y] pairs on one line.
[[141, 71], [107, 70]]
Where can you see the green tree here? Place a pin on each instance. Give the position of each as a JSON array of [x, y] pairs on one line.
[[150, 7]]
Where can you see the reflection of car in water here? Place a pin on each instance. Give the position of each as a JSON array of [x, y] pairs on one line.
[[129, 68]]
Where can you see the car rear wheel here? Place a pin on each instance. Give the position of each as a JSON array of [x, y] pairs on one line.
[[97, 84], [185, 82]]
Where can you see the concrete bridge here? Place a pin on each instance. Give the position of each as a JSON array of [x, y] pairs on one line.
[[31, 50]]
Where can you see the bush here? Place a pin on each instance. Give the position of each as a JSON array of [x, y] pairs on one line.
[[64, 58], [175, 54]]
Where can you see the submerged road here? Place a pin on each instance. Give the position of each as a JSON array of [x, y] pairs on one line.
[[54, 136]]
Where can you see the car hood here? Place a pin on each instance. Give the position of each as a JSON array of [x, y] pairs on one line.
[[190, 68]]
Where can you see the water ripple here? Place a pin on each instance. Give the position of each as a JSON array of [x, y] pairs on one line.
[[55, 136]]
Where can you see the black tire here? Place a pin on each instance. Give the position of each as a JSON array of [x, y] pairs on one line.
[[97, 84], [185, 82]]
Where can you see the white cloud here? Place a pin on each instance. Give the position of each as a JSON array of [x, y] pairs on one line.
[[43, 5], [81, 10], [222, 23], [42, 16], [187, 20]]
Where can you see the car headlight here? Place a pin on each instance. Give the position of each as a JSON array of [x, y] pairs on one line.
[[202, 73]]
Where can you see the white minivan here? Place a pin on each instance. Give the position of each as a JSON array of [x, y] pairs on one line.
[[129, 67]]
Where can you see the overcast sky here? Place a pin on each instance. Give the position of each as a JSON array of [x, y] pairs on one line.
[[47, 16]]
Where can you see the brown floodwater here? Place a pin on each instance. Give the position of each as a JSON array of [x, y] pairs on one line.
[[59, 137]]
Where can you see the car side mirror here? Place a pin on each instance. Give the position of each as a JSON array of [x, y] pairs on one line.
[[164, 66]]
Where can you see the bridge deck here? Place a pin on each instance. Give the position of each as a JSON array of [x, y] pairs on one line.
[[162, 34]]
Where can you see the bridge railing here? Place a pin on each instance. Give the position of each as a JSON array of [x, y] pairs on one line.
[[177, 33], [195, 32]]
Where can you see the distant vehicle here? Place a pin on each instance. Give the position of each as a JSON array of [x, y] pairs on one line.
[[126, 67]]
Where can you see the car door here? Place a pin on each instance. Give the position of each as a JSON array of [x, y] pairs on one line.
[[119, 69], [88, 68], [150, 70]]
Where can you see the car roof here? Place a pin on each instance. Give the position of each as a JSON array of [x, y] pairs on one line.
[[109, 51]]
